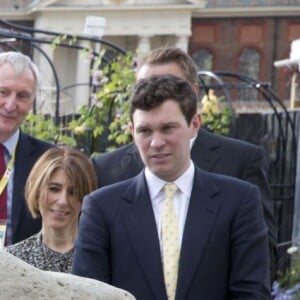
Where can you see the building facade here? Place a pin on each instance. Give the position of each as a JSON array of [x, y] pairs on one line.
[[239, 36]]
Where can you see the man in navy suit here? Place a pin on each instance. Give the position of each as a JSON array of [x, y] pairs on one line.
[[209, 151], [18, 85], [222, 236]]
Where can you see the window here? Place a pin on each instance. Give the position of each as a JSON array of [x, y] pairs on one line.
[[203, 59], [249, 63]]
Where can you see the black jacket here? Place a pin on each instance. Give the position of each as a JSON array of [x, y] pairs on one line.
[[210, 152]]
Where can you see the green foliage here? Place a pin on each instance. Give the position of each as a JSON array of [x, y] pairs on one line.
[[106, 119], [63, 38], [218, 123], [291, 276], [287, 285], [216, 115], [109, 106], [43, 127]]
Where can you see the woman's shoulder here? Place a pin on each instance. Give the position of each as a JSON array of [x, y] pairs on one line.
[[23, 247]]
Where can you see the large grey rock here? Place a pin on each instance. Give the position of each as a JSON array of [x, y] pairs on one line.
[[19, 280]]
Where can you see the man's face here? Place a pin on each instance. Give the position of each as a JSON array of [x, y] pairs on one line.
[[162, 136], [17, 93]]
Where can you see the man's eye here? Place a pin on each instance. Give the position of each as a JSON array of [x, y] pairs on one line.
[[23, 96], [3, 92], [143, 130], [168, 128]]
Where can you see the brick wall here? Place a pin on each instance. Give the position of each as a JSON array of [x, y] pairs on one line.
[[225, 38]]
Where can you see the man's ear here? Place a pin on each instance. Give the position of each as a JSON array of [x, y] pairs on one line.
[[131, 129], [200, 120], [196, 124]]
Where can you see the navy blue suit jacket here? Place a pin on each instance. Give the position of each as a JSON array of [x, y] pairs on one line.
[[224, 253], [212, 153], [28, 150]]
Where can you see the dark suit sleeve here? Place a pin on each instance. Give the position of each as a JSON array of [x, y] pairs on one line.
[[249, 276], [108, 167], [255, 172], [117, 165], [242, 160], [91, 256]]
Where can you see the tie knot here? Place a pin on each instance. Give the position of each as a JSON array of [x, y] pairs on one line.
[[170, 189]]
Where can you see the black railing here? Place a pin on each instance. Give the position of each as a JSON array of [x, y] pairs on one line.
[[272, 126], [27, 34]]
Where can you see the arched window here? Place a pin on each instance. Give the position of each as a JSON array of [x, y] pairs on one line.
[[249, 64], [204, 59]]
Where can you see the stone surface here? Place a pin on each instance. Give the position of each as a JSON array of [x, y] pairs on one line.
[[21, 281]]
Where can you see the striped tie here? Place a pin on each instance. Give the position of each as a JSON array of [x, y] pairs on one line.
[[170, 243]]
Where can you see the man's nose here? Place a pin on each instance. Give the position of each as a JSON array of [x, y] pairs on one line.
[[10, 103], [157, 140]]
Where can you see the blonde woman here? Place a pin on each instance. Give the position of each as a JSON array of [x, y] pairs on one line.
[[54, 192]]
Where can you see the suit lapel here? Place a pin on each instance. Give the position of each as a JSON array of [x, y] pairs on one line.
[[206, 150], [23, 163], [142, 231], [202, 212]]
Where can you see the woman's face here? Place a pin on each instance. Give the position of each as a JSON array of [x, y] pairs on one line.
[[59, 207]]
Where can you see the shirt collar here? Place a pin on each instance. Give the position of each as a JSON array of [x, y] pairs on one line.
[[192, 141], [11, 142], [184, 182]]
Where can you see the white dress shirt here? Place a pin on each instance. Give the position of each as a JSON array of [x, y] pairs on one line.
[[10, 145], [181, 198]]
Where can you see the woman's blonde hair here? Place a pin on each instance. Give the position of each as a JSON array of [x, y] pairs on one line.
[[77, 167]]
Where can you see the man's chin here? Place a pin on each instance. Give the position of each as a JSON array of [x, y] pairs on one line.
[[7, 131], [162, 173]]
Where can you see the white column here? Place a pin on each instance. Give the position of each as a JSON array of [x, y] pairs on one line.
[[144, 44], [82, 76], [182, 42]]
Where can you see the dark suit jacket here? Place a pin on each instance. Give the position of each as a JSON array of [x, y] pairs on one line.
[[212, 153], [224, 252], [28, 150]]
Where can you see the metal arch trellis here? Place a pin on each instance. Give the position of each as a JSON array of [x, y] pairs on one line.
[[55, 34], [277, 106], [220, 85], [24, 33], [246, 82], [280, 129]]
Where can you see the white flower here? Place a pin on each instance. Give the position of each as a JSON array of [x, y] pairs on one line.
[[292, 250]]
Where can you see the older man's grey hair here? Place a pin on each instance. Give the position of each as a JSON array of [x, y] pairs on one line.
[[20, 62]]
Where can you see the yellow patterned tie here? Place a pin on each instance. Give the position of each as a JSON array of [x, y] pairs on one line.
[[170, 242]]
